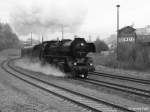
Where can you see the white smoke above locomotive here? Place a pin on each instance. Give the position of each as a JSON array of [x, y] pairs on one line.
[[48, 16]]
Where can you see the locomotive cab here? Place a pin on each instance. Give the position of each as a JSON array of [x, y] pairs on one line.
[[91, 47]]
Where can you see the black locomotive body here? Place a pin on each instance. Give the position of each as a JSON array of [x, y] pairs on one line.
[[68, 55]]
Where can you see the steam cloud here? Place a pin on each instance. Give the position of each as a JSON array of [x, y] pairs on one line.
[[48, 16], [36, 67]]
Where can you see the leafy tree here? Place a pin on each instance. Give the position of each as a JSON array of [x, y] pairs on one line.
[[8, 39], [100, 45]]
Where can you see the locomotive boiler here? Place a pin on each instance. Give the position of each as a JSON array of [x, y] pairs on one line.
[[68, 55]]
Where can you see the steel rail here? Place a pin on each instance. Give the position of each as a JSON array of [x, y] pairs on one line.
[[103, 74], [74, 92], [122, 88], [51, 92]]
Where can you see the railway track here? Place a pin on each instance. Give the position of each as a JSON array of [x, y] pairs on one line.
[[118, 87], [82, 100], [142, 81]]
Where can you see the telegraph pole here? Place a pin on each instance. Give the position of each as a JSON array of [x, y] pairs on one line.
[[42, 38], [89, 38], [117, 27], [31, 38], [62, 30]]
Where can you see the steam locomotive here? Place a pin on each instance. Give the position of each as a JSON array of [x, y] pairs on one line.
[[69, 55]]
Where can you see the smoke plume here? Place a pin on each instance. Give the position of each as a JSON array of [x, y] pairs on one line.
[[37, 67], [48, 17]]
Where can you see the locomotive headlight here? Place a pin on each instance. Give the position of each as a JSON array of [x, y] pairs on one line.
[[82, 75], [82, 44], [75, 63], [91, 64]]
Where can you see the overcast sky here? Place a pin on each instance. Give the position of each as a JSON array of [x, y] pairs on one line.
[[94, 17]]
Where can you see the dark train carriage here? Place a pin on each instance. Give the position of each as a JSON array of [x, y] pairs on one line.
[[26, 51]]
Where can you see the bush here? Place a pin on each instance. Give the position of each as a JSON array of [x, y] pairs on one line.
[[131, 56], [126, 52], [100, 45]]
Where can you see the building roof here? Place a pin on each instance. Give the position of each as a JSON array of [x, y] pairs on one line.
[[127, 27]]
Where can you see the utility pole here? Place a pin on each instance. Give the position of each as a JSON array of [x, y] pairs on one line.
[[57, 38], [89, 38], [31, 38], [117, 27], [42, 38], [62, 31]]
